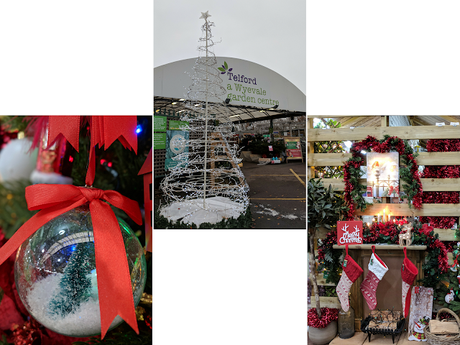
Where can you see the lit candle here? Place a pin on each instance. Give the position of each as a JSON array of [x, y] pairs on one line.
[[383, 220]]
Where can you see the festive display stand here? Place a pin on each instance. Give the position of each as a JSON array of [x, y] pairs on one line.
[[424, 198]]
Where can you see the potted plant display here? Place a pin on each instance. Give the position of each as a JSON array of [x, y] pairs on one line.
[[325, 208]]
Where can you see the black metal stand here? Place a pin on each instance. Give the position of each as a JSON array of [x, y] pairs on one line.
[[385, 331]]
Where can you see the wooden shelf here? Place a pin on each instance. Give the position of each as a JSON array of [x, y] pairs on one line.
[[379, 247]]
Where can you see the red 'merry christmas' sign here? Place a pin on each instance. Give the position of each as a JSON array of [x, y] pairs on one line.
[[349, 233]]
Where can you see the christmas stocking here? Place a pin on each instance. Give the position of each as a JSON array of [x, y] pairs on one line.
[[351, 272], [377, 270], [408, 274]]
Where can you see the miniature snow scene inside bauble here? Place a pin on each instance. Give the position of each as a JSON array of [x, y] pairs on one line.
[[56, 276], [204, 183]]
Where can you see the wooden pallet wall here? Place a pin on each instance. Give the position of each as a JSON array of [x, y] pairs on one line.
[[424, 158]]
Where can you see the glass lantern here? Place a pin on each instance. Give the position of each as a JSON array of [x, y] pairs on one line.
[[346, 323]]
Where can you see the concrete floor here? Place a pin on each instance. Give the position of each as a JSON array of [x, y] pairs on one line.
[[278, 198]]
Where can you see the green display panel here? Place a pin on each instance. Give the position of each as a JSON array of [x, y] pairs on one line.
[[177, 125], [159, 123], [159, 141]]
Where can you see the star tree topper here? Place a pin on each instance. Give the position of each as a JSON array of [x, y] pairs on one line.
[[205, 15]]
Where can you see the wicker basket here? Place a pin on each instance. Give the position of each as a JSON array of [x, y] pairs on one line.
[[434, 339]]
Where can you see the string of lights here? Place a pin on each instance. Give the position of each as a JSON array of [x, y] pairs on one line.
[[206, 184]]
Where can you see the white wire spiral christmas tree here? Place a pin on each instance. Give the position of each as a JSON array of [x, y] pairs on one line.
[[207, 184]]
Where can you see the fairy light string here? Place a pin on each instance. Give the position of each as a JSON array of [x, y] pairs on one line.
[[207, 168]]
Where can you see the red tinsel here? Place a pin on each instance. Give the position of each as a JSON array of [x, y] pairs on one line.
[[447, 171], [327, 316]]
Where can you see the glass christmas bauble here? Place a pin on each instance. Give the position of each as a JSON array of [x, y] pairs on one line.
[[56, 276]]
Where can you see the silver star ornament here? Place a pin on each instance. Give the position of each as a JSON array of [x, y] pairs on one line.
[[205, 15]]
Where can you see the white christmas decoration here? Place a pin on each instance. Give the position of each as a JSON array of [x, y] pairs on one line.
[[207, 184], [16, 162]]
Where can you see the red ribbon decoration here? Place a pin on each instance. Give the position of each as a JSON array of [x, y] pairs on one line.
[[104, 131], [113, 276], [68, 126]]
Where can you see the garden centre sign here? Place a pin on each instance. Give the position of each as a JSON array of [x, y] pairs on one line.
[[246, 84], [241, 88]]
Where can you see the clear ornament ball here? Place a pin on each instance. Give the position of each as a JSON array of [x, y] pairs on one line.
[[56, 276]]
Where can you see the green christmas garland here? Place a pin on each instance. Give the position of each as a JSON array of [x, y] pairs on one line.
[[435, 268], [408, 173]]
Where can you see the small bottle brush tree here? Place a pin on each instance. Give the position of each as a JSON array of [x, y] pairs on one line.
[[75, 286], [325, 208]]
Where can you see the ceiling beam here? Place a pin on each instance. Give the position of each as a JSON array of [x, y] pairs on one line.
[[419, 122], [450, 118], [349, 121]]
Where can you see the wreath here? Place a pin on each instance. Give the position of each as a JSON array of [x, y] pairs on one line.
[[436, 262], [408, 173]]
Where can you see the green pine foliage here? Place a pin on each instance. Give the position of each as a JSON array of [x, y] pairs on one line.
[[75, 286], [122, 335], [14, 206]]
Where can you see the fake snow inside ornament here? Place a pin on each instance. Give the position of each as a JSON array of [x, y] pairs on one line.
[[56, 276]]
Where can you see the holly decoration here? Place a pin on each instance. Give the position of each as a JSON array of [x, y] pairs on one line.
[[408, 171]]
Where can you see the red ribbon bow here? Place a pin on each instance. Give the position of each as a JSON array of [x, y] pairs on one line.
[[113, 276], [104, 131]]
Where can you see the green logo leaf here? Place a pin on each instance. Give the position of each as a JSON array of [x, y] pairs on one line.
[[225, 64], [221, 69]]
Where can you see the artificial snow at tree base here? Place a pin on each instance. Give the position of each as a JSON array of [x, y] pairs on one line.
[[192, 211]]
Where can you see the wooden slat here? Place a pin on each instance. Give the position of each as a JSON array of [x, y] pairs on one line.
[[440, 184], [424, 158], [328, 159], [438, 158], [379, 247], [428, 184], [326, 302], [431, 210], [446, 234], [408, 132], [322, 281], [337, 183]]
